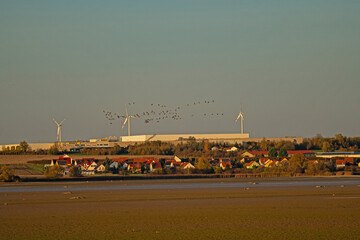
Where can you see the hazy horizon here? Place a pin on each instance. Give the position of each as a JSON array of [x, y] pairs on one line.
[[292, 66]]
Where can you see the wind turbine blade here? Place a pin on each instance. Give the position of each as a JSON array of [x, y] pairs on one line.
[[124, 123], [126, 111], [55, 121], [62, 121], [238, 117]]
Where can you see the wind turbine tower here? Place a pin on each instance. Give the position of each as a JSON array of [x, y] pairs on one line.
[[58, 135], [241, 115], [127, 119]]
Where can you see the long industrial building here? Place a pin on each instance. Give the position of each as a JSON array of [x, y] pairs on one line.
[[184, 137], [124, 141]]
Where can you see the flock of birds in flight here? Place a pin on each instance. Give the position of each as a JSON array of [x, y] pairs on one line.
[[160, 112]]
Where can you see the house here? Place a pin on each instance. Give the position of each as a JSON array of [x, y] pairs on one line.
[[274, 163], [62, 161], [252, 164], [244, 160], [263, 161], [284, 161], [225, 165], [175, 164], [78, 162], [88, 167], [155, 165], [187, 165], [341, 163], [124, 166], [215, 148], [224, 160], [135, 167], [114, 165], [168, 163], [269, 163], [232, 149], [100, 168], [306, 153], [172, 163], [252, 154]]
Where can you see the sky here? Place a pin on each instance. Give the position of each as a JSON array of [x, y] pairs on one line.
[[291, 66]]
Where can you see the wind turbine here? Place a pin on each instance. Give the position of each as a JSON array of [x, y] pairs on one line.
[[58, 135], [127, 119], [241, 115]]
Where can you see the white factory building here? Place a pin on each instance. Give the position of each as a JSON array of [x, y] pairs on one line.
[[184, 137]]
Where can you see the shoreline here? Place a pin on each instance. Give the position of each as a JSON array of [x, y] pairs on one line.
[[171, 176]]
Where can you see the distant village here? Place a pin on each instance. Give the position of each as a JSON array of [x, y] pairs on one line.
[[337, 155], [296, 162]]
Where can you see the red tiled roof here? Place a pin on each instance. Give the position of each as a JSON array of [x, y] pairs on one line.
[[300, 151], [120, 159], [224, 164], [157, 165], [250, 163], [345, 160], [263, 160], [349, 159]]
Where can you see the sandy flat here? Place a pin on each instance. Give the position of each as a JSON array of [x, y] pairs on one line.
[[303, 212]]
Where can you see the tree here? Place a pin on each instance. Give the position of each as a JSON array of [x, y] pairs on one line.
[[297, 163], [107, 164], [54, 171], [272, 153], [54, 150], [24, 146], [75, 171], [116, 149], [218, 170], [264, 144], [6, 174], [325, 146], [282, 153], [203, 164]]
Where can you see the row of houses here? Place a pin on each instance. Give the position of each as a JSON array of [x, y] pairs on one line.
[[268, 163], [250, 160], [290, 153], [90, 166]]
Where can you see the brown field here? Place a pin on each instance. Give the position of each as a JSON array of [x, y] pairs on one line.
[[23, 170], [304, 212], [23, 159]]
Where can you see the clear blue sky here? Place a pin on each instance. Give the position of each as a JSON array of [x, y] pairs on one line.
[[294, 66]]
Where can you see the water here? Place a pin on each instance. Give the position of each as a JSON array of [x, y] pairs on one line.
[[154, 186]]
